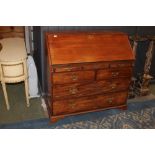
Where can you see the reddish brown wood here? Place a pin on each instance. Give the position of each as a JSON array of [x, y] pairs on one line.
[[89, 88], [11, 31], [88, 103], [88, 47], [88, 72], [55, 119]]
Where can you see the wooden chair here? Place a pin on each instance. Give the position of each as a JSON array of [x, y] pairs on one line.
[[13, 66]]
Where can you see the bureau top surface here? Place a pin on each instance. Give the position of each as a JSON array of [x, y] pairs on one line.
[[66, 48]]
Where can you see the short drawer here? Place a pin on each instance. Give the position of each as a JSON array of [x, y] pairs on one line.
[[73, 77], [114, 73], [89, 103], [89, 88], [67, 68]]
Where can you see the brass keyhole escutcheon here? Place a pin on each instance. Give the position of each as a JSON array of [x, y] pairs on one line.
[[55, 35]]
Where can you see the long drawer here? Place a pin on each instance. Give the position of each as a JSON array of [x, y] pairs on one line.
[[73, 77], [91, 66], [89, 103], [89, 88], [81, 67]]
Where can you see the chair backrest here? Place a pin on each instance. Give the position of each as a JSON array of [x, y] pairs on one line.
[[14, 71]]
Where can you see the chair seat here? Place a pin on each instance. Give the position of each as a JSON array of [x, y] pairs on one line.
[[13, 49]]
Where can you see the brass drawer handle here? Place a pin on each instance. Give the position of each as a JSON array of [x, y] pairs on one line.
[[113, 86], [114, 74], [74, 77], [68, 69], [110, 100], [72, 104], [73, 90]]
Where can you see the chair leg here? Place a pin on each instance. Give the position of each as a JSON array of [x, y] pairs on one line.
[[5, 96], [27, 93]]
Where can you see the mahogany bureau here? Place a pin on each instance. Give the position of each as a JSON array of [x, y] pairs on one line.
[[87, 71]]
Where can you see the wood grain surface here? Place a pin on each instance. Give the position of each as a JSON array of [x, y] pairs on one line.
[[88, 47]]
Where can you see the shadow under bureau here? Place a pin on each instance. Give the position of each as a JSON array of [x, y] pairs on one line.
[[87, 71]]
